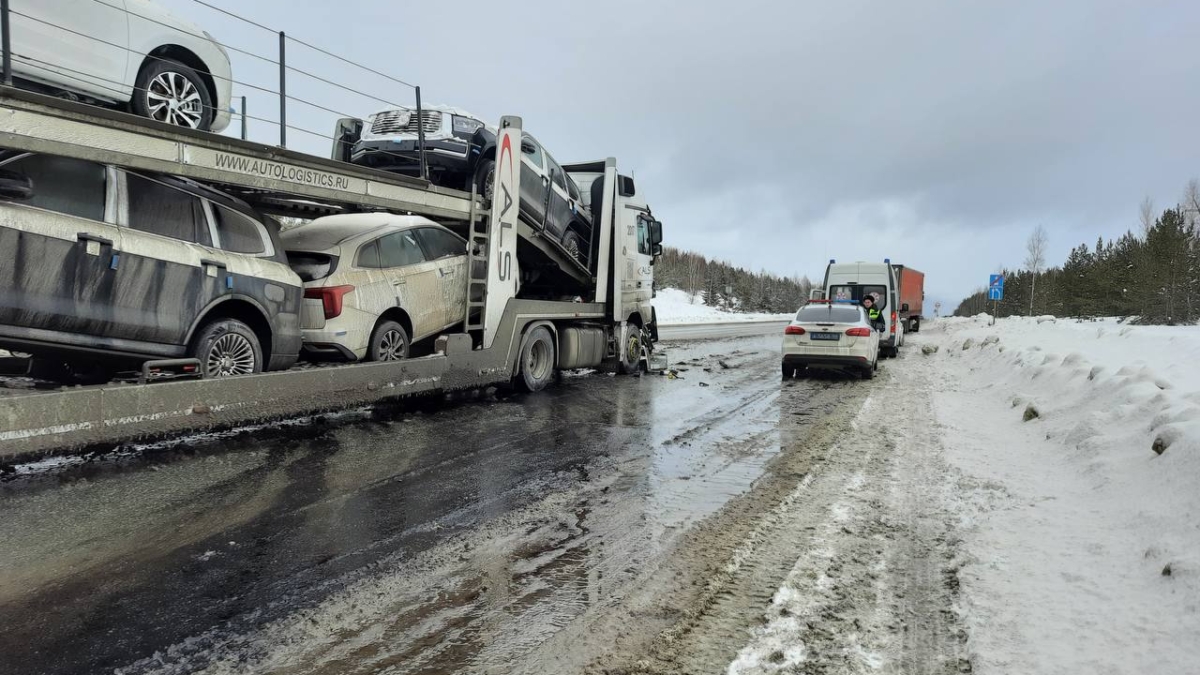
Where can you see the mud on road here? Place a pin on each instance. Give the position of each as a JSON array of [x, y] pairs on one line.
[[715, 521]]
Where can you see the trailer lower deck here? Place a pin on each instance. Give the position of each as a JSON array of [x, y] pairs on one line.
[[41, 422]]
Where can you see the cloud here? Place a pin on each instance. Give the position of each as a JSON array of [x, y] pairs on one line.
[[777, 134]]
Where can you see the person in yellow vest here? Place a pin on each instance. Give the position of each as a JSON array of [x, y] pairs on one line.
[[873, 314]]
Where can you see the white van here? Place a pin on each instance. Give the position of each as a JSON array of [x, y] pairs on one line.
[[856, 280]]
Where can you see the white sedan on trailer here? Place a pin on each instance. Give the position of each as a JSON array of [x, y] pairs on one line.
[[375, 283], [833, 335]]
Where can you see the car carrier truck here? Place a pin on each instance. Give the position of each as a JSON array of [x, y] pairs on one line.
[[520, 328]]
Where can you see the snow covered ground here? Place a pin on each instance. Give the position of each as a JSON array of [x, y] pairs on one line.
[[1031, 505], [674, 306], [1081, 525]]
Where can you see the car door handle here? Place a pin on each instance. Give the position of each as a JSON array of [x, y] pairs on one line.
[[399, 282], [213, 263], [87, 236]]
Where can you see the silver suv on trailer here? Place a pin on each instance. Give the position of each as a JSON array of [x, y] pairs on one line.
[[100, 260]]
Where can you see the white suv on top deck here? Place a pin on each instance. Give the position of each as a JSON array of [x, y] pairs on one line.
[[835, 335], [126, 52]]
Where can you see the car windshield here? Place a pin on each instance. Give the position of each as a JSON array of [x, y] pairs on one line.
[[828, 313], [855, 293]]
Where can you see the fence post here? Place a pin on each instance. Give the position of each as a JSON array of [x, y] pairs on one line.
[[5, 38], [243, 118], [282, 90], [421, 135]]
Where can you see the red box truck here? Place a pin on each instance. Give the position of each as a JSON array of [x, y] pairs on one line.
[[912, 296]]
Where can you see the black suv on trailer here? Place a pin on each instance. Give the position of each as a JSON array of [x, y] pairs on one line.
[[137, 266]]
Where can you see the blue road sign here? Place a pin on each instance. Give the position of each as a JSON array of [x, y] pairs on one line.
[[996, 293], [996, 281]]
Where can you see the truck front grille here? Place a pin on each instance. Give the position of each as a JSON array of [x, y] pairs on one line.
[[388, 123]]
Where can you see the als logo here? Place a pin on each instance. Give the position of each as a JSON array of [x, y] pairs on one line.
[[503, 178]]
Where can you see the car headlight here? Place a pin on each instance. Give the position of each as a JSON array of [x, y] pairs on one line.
[[466, 125]]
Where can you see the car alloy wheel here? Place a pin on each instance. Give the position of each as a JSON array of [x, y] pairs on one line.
[[231, 354], [393, 346], [172, 98]]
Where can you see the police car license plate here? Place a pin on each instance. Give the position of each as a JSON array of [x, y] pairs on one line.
[[826, 336]]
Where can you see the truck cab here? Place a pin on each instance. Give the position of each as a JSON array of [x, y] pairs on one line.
[[636, 245], [855, 281]]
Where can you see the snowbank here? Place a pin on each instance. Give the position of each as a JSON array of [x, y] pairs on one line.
[[674, 306], [1079, 445]]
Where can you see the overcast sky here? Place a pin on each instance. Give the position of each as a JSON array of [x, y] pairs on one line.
[[777, 135]]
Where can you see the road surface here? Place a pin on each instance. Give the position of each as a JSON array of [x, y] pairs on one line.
[[700, 331], [606, 525]]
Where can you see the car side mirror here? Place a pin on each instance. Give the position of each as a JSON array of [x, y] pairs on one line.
[[656, 232], [15, 186], [904, 307]]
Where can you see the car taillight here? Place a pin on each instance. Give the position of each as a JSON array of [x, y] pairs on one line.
[[893, 326], [330, 297], [793, 330], [859, 332]]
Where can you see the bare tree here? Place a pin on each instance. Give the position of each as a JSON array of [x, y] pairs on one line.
[[1035, 259], [695, 277], [1191, 202], [1146, 215]]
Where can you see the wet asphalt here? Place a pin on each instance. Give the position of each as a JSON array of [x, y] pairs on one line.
[[210, 548]]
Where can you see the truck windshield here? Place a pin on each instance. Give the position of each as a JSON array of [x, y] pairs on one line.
[[857, 293]]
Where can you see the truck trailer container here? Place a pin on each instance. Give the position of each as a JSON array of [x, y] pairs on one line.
[[912, 296]]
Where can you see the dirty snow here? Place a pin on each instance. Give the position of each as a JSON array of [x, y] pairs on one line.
[[1084, 542], [1071, 542], [674, 306]]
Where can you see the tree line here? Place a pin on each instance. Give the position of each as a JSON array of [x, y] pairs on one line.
[[1152, 274], [722, 285]]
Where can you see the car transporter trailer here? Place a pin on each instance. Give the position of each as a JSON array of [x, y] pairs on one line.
[[505, 337]]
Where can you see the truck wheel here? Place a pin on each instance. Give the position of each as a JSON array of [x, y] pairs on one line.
[[389, 342], [485, 179], [170, 92], [916, 326], [629, 361], [537, 360], [227, 347]]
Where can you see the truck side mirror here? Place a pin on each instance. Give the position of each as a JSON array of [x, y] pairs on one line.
[[625, 186], [656, 233], [657, 250], [816, 294], [346, 132], [528, 147], [904, 307], [15, 186]]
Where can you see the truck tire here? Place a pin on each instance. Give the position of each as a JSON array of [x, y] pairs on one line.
[[629, 361], [537, 359], [162, 82], [227, 347], [916, 326], [389, 342]]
